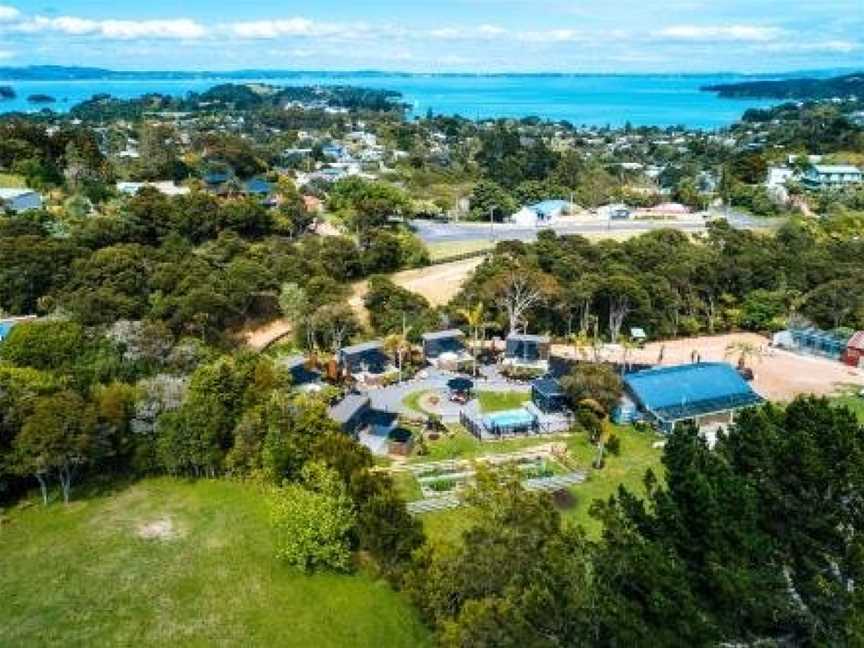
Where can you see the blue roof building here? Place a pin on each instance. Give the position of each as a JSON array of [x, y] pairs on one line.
[[705, 392], [549, 209]]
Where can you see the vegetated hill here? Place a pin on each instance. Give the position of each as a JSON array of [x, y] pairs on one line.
[[170, 562], [7, 92], [804, 88]]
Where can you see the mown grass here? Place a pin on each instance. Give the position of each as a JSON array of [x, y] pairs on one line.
[[12, 180], [447, 249], [502, 401], [853, 402], [628, 470], [82, 575]]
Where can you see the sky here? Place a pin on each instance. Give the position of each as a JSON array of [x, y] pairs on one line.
[[436, 35]]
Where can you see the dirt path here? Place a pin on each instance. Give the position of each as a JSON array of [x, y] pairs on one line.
[[438, 284]]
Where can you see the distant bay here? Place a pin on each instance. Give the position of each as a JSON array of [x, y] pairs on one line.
[[595, 100]]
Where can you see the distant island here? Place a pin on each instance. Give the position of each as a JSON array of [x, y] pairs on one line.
[[805, 88], [41, 98], [7, 92]]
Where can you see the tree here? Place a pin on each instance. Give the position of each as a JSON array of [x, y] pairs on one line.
[[44, 344], [337, 323], [476, 320], [295, 307], [623, 295], [313, 520], [56, 440], [488, 197], [597, 382], [398, 344], [520, 290]]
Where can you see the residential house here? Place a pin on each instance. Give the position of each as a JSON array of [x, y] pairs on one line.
[[541, 213], [831, 176], [446, 349], [350, 412], [527, 351], [367, 363]]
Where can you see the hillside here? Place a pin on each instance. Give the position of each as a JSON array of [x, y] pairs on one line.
[[804, 88], [168, 562]]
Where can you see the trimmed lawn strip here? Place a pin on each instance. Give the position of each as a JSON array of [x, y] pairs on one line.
[[502, 401]]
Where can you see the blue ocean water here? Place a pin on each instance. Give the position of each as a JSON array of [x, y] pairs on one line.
[[659, 100]]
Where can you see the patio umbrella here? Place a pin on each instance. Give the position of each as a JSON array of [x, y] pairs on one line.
[[460, 384]]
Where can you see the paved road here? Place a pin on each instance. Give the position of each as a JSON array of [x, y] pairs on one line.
[[437, 232]]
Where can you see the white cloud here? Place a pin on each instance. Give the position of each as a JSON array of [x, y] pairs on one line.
[[8, 14], [5, 55], [743, 33], [296, 27], [181, 28]]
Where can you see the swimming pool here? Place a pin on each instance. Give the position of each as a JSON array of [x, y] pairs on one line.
[[509, 420]]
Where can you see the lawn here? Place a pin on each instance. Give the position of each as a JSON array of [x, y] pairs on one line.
[[12, 180], [83, 575], [628, 469], [854, 402], [447, 249], [502, 401]]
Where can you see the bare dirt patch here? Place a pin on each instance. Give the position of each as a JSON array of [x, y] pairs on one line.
[[161, 529], [778, 375]]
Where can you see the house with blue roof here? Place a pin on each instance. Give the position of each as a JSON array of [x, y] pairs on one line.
[[542, 213], [704, 392]]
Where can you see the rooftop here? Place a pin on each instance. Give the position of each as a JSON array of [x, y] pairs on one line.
[[442, 335], [524, 337], [364, 347], [690, 390], [836, 168], [348, 407]]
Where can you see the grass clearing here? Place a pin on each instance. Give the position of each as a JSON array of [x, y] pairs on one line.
[[12, 181], [628, 470], [412, 401], [853, 401], [167, 562], [447, 249], [502, 401]]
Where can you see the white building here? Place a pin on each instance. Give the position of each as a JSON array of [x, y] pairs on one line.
[[19, 200], [165, 187], [541, 213]]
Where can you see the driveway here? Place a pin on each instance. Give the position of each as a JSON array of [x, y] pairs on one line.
[[389, 399]]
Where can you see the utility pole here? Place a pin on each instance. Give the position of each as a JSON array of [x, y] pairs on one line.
[[492, 209]]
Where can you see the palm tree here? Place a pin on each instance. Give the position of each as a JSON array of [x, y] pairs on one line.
[[398, 344], [745, 351], [476, 319]]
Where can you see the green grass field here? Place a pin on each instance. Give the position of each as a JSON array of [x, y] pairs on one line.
[[637, 456], [83, 575], [854, 402], [447, 249], [501, 401], [12, 180]]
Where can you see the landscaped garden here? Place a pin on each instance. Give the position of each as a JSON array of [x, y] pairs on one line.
[[168, 562], [638, 453]]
